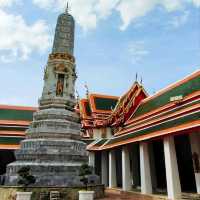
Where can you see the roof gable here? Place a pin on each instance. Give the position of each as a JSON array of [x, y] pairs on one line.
[[105, 104], [185, 87], [102, 103]]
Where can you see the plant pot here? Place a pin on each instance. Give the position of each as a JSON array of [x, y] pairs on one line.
[[86, 195], [24, 195]]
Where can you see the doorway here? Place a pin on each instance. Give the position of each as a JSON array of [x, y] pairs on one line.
[[185, 164]]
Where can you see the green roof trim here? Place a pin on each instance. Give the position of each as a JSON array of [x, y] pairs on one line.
[[14, 128], [25, 115], [105, 103], [10, 140], [101, 142], [184, 89], [179, 108], [168, 124]]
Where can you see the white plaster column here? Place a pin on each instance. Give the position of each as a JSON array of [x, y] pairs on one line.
[[104, 170], [112, 170], [146, 184], [172, 173], [126, 172], [92, 158], [195, 147]]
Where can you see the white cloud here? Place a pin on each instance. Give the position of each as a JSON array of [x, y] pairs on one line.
[[26, 38], [105, 7], [172, 5], [82, 10], [179, 20], [137, 51], [19, 39], [88, 12], [7, 3], [196, 2], [130, 10]]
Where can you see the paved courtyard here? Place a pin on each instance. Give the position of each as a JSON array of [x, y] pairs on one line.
[[117, 195]]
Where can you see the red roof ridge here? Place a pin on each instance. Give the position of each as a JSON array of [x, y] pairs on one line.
[[15, 122], [13, 107]]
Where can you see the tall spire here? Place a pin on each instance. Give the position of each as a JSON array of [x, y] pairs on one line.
[[52, 148], [64, 34]]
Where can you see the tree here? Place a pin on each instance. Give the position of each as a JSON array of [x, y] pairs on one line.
[[85, 171], [25, 178]]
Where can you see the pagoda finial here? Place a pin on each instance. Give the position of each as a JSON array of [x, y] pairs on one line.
[[67, 8]]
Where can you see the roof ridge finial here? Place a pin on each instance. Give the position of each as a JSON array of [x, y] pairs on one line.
[[87, 90], [141, 81], [136, 77], [67, 8]]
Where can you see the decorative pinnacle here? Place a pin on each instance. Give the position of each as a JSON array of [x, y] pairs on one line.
[[77, 96], [141, 81], [136, 77], [67, 8], [87, 89]]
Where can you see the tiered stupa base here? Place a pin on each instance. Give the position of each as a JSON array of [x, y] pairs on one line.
[[52, 149]]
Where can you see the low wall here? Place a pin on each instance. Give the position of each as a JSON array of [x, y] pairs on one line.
[[69, 193]]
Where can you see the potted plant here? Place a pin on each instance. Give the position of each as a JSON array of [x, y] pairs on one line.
[[84, 173], [25, 179]]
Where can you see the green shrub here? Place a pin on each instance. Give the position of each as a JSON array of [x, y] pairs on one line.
[[85, 171], [25, 178]]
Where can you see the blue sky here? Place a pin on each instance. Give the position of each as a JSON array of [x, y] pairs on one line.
[[158, 39]]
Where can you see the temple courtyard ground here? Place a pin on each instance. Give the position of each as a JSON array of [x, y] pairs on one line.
[[114, 194]]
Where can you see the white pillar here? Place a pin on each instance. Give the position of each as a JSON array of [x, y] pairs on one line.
[[195, 147], [92, 158], [112, 170], [135, 165], [146, 184], [104, 170], [172, 174], [126, 173]]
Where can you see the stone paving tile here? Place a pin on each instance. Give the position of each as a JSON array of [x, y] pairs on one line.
[[121, 197], [118, 197], [135, 196]]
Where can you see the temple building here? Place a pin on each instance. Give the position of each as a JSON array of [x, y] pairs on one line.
[[14, 121], [146, 143], [136, 142]]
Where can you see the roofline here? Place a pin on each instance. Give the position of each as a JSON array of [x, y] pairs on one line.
[[92, 102], [160, 109], [13, 107], [173, 85], [170, 131], [15, 122], [104, 96]]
